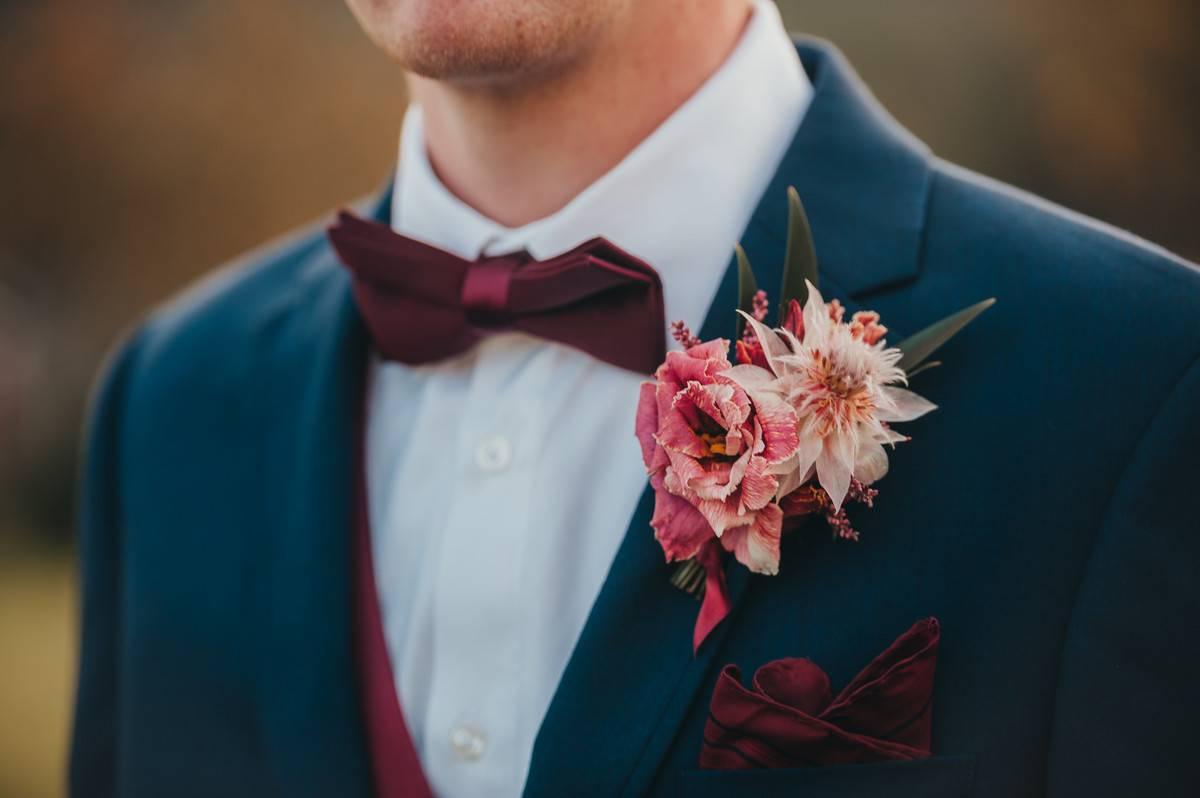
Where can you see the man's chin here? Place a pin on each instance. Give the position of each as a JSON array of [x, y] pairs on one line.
[[480, 42]]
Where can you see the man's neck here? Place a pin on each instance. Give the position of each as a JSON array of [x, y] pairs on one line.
[[518, 153]]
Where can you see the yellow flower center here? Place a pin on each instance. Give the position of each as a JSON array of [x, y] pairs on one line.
[[715, 443]]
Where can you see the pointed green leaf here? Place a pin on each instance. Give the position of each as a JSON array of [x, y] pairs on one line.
[[926, 366], [923, 344], [747, 288], [800, 263]]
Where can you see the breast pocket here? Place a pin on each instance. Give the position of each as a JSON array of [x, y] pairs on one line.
[[936, 777]]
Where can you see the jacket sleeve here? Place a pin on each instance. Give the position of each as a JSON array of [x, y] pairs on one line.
[[95, 740], [1127, 714]]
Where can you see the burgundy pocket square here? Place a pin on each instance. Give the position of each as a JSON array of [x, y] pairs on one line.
[[790, 718]]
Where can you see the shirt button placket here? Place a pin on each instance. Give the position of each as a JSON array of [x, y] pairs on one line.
[[477, 594]]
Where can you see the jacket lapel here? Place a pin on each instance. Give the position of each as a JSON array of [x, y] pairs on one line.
[[863, 180], [310, 711], [632, 675]]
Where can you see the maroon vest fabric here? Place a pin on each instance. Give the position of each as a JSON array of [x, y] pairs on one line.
[[395, 766]]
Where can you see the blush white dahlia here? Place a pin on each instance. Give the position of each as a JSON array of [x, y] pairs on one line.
[[844, 384]]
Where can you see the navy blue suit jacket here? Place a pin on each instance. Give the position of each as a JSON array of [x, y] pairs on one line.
[[1046, 514]]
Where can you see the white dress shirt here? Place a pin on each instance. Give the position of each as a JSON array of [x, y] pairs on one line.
[[502, 481]]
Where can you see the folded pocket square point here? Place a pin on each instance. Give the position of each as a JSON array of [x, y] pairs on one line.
[[789, 717]]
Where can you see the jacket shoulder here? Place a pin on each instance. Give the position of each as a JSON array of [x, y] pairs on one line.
[[240, 297], [216, 331], [982, 210], [1059, 265], [1093, 330]]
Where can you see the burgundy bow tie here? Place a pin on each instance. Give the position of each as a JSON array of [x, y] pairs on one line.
[[422, 304]]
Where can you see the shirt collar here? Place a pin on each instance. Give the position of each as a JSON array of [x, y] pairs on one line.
[[679, 200]]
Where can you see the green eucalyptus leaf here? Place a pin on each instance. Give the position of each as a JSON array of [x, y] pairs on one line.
[[800, 262], [747, 288], [921, 345], [926, 366]]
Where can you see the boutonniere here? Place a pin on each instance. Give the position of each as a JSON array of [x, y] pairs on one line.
[[797, 425]]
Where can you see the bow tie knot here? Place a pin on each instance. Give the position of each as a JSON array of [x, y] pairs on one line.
[[422, 304], [486, 291]]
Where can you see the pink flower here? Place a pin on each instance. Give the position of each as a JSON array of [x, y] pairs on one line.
[[713, 452]]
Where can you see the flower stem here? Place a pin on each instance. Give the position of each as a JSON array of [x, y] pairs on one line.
[[689, 577]]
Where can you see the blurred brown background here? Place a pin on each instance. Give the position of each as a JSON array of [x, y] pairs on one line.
[[144, 141]]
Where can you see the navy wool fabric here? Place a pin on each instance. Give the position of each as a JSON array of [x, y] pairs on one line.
[[1045, 514]]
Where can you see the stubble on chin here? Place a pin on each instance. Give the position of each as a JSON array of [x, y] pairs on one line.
[[472, 42]]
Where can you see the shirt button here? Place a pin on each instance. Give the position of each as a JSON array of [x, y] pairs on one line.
[[494, 453], [468, 742]]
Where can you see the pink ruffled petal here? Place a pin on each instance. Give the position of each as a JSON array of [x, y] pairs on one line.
[[702, 363], [725, 404], [758, 486], [750, 378], [756, 545], [736, 441], [676, 435], [737, 470], [700, 479], [778, 421], [721, 515], [671, 483], [716, 349], [647, 423], [679, 528]]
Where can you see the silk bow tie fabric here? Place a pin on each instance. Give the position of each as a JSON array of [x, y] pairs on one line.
[[789, 717], [423, 304]]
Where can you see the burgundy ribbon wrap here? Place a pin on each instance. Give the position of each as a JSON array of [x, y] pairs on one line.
[[790, 718], [716, 602], [423, 304]]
